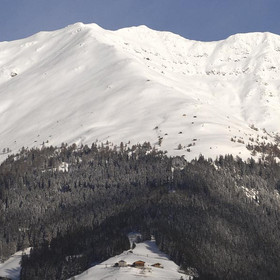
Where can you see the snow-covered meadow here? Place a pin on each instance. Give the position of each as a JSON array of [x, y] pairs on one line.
[[147, 252]]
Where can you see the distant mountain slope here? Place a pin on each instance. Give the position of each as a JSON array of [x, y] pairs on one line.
[[83, 83]]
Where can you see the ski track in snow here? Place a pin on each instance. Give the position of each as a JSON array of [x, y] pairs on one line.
[[83, 83]]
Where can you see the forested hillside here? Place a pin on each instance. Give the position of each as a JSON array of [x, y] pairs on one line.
[[75, 205]]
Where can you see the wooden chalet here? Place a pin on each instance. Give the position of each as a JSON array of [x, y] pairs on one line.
[[158, 265], [139, 264]]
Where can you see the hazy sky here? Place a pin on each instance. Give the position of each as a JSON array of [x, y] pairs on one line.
[[204, 20]]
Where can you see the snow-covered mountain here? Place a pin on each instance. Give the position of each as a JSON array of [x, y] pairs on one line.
[[84, 83]]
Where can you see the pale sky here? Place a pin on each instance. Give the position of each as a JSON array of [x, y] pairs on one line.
[[205, 20]]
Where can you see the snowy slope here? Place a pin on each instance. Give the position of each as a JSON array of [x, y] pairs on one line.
[[83, 83], [11, 267], [147, 252]]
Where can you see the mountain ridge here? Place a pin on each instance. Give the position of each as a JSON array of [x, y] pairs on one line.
[[136, 84]]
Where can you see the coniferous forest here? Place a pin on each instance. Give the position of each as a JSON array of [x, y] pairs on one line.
[[75, 205]]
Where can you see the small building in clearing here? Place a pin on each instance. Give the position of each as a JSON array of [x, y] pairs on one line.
[[158, 265], [139, 264], [121, 263]]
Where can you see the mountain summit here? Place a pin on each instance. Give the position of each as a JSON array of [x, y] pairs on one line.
[[83, 83]]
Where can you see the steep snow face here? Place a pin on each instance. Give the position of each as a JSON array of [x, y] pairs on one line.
[[83, 83], [146, 252]]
